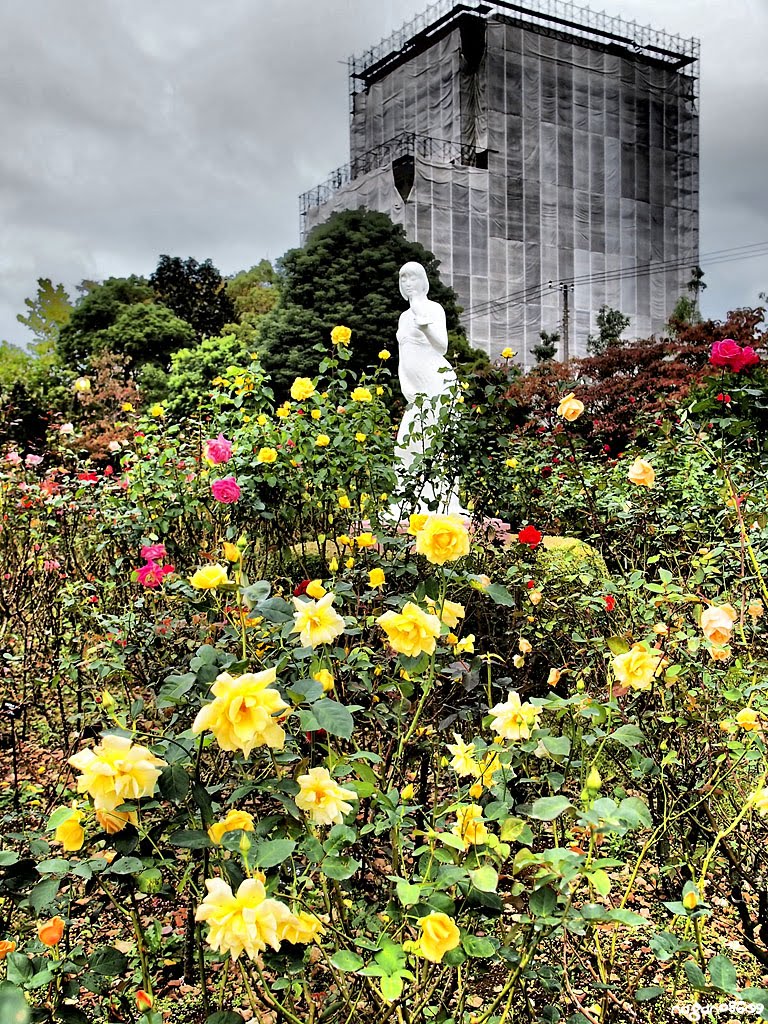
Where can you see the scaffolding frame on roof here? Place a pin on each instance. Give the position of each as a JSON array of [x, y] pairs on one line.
[[575, 20]]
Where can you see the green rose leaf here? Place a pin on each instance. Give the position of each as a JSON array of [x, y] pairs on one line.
[[108, 961], [333, 717], [547, 808]]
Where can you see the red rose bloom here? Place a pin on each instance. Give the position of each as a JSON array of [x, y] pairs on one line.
[[529, 535], [610, 602]]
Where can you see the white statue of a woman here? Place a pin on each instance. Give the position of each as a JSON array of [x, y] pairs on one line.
[[429, 387]]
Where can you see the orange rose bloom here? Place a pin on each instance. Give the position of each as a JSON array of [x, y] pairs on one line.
[[51, 931], [6, 947]]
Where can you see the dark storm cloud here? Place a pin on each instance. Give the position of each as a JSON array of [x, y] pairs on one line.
[[128, 130]]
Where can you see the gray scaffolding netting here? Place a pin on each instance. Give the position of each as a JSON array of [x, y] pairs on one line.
[[534, 160]]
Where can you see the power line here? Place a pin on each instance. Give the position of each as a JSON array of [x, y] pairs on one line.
[[753, 250]]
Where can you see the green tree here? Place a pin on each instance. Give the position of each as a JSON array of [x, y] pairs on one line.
[[95, 312], [147, 334], [48, 312], [685, 313], [547, 350], [196, 292], [253, 292], [15, 364], [346, 274], [610, 324], [188, 383]]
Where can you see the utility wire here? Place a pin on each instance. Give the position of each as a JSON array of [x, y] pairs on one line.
[[753, 250]]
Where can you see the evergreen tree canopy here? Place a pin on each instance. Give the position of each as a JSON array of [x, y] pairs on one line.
[[253, 292], [346, 274], [196, 292], [95, 312]]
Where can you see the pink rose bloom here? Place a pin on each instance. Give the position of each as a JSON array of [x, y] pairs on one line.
[[153, 552], [33, 460], [726, 353], [151, 575], [226, 490], [13, 458], [748, 358], [218, 450]]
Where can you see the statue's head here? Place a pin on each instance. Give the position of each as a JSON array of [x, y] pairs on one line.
[[413, 280]]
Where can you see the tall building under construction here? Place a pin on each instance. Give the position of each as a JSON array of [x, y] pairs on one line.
[[547, 154]]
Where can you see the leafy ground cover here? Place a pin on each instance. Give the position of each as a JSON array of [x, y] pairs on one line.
[[271, 756]]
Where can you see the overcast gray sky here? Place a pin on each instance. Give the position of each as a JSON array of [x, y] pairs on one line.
[[190, 127]]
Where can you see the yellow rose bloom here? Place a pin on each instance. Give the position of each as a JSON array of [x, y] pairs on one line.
[[514, 720], [366, 540], [637, 668], [361, 395], [241, 715], [360, 437], [323, 799], [570, 408], [302, 389], [316, 589], [466, 645], [450, 613], [384, 354], [127, 407], [234, 821], [690, 900], [344, 501], [315, 414], [748, 719], [439, 934], [266, 455], [554, 677], [507, 353], [209, 577], [718, 653], [262, 419], [470, 827], [231, 552], [524, 646], [325, 678], [717, 623], [412, 631], [464, 760], [157, 411], [247, 922], [350, 563], [376, 578], [116, 771], [341, 335], [511, 463], [490, 766], [70, 832], [333, 565], [416, 522], [301, 928], [115, 821], [317, 622], [755, 609], [283, 411], [535, 596], [443, 539], [322, 441], [641, 473]]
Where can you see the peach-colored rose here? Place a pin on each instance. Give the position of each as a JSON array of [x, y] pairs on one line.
[[717, 623]]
